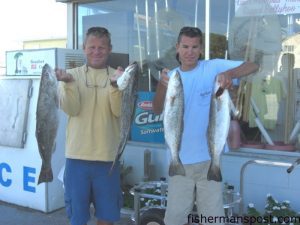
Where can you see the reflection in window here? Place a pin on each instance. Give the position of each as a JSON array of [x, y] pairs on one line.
[[267, 98], [241, 30], [147, 30]]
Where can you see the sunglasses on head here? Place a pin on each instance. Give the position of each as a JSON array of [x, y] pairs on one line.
[[191, 30], [94, 30]]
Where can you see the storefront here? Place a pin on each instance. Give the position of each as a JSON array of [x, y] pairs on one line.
[[267, 32]]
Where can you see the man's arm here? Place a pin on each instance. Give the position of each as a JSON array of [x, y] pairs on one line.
[[159, 98], [68, 93], [246, 68], [115, 95]]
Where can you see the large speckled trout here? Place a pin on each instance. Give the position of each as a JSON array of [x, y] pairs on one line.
[[173, 122], [128, 83], [47, 121], [217, 132]]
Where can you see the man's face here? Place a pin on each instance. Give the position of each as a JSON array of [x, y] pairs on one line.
[[97, 51], [189, 50]]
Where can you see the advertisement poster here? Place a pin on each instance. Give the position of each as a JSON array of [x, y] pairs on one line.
[[22, 63], [259, 7], [147, 126]]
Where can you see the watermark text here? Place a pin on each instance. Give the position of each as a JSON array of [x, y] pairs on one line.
[[270, 219]]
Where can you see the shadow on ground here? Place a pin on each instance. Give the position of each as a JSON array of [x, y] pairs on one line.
[[18, 215]]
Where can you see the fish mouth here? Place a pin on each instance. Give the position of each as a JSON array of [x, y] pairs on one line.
[[131, 66], [219, 92]]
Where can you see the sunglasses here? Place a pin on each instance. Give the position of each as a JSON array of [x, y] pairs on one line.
[[88, 84], [191, 30], [95, 30]]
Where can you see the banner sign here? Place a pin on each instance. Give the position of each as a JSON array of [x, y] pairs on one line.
[[22, 63], [266, 7], [147, 126]]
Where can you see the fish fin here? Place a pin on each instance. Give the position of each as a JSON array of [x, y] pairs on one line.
[[114, 163], [57, 102], [176, 168], [172, 100], [234, 111], [121, 149], [112, 166], [118, 156], [46, 175], [54, 148], [214, 173]]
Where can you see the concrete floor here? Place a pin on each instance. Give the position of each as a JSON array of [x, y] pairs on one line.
[[16, 215]]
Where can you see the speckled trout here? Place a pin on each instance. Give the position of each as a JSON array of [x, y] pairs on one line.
[[173, 122], [128, 84], [217, 132], [47, 121]]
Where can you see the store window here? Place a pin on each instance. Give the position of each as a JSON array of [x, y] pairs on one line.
[[266, 32], [147, 31]]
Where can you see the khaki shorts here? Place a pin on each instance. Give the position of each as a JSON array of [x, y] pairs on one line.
[[184, 191]]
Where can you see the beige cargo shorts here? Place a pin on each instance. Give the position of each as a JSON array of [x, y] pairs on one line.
[[185, 191]]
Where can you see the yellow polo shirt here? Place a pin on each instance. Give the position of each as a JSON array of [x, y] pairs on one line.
[[93, 107]]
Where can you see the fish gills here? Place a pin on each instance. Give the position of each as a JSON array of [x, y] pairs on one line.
[[47, 121], [173, 122], [217, 132]]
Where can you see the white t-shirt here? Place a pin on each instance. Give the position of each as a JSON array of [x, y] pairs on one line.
[[198, 85]]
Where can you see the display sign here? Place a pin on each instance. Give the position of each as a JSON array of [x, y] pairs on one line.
[[28, 62], [265, 7], [147, 126]]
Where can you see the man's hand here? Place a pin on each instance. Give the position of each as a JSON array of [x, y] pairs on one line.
[[164, 79], [225, 80], [160, 94], [62, 75], [118, 73]]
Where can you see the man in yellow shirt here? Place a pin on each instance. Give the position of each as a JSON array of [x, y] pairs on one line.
[[93, 107]]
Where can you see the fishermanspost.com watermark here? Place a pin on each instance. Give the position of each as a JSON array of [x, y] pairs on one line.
[[270, 219]]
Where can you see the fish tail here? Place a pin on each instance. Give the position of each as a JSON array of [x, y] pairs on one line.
[[176, 168], [46, 175], [111, 168], [214, 173]]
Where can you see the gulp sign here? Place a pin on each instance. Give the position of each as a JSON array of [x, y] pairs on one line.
[[147, 126]]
